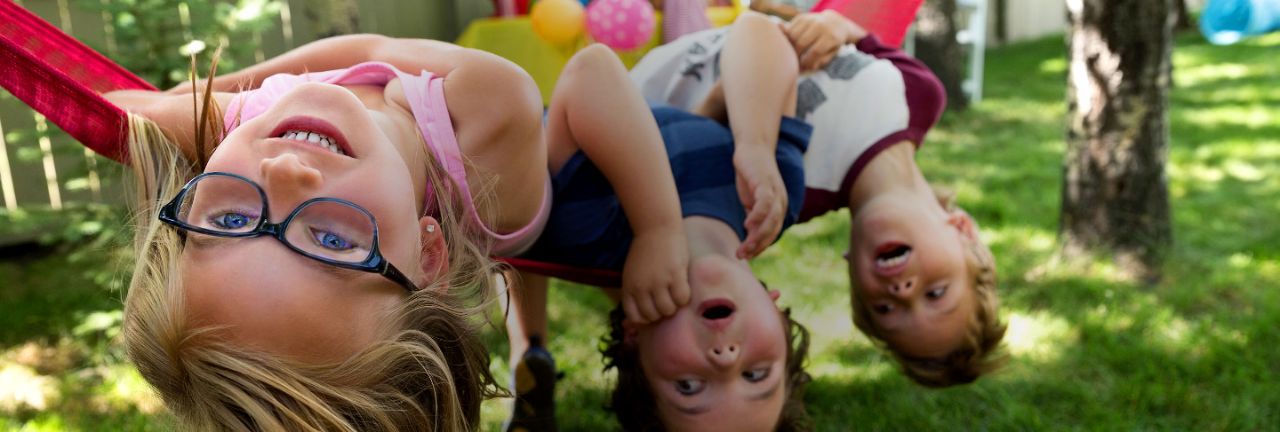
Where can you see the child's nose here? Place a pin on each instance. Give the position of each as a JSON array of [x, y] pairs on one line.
[[286, 177], [724, 355], [902, 288]]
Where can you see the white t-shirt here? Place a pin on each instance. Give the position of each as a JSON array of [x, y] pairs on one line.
[[859, 104]]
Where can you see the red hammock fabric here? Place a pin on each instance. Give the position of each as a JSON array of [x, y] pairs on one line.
[[887, 19], [62, 78], [586, 276]]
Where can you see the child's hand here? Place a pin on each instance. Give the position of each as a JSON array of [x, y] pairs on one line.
[[817, 37], [655, 279], [763, 195]]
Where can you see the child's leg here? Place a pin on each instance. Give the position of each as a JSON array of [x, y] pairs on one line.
[[757, 80], [533, 371], [527, 314], [595, 104]]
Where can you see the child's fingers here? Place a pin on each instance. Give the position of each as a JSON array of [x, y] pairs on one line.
[[823, 60], [633, 313], [644, 303], [819, 54], [806, 37], [760, 238], [754, 222], [663, 303], [771, 228], [680, 289], [776, 207], [799, 26]]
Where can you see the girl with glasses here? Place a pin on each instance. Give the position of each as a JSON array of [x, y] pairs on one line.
[[322, 237]]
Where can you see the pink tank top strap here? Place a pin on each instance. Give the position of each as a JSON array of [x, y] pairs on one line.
[[427, 100]]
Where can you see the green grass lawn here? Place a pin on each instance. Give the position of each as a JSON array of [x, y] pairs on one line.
[[1089, 350]]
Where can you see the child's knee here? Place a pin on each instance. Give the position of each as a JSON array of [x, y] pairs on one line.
[[758, 24], [594, 60]]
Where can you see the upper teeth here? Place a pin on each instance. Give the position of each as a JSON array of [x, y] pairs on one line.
[[320, 140], [890, 262]]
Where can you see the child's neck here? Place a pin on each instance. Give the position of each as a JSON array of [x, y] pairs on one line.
[[893, 171], [707, 237]]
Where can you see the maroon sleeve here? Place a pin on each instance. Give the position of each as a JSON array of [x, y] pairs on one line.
[[926, 98]]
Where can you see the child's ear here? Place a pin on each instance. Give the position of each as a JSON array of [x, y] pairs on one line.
[[774, 294], [630, 332], [435, 253], [963, 223]]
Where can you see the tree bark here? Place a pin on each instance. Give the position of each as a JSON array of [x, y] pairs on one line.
[[334, 17], [1115, 198], [1184, 21], [936, 46]]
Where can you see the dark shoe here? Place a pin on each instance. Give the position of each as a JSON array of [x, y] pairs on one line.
[[535, 387]]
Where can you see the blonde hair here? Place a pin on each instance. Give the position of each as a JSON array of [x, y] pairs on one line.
[[979, 352], [431, 374]]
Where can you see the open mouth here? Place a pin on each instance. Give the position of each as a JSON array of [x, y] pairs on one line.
[[313, 132], [323, 141], [716, 309], [892, 257]]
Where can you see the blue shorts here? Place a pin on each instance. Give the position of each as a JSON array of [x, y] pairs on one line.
[[587, 227]]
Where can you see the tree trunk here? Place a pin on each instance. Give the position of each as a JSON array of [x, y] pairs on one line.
[[936, 46], [1114, 197], [334, 17], [1184, 21]]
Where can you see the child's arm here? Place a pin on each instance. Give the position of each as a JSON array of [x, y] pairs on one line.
[[757, 88], [780, 10], [175, 114], [596, 109], [409, 55]]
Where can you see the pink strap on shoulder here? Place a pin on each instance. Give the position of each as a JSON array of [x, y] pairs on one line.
[[427, 100]]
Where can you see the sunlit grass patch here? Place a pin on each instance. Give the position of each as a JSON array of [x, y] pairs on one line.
[[1038, 337]]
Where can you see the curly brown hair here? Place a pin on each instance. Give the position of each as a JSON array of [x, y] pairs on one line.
[[633, 400]]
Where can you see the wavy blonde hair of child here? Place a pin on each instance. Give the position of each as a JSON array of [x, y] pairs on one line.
[[980, 352], [430, 373]]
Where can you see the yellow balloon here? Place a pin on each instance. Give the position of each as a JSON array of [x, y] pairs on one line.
[[557, 21]]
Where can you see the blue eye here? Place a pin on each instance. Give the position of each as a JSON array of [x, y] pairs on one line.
[[230, 221], [936, 293], [690, 387], [756, 375], [330, 240]]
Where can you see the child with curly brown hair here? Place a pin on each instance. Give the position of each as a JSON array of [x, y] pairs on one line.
[[923, 281], [722, 355]]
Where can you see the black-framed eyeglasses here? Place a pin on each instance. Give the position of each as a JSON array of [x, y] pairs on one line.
[[330, 230]]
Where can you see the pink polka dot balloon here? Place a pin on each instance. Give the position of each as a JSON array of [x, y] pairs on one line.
[[621, 24]]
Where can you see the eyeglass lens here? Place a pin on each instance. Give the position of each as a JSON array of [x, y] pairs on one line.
[[323, 229]]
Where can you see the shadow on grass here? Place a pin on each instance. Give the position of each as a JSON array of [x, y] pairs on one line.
[[46, 294]]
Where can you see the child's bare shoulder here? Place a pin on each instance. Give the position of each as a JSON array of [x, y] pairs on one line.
[[491, 101]]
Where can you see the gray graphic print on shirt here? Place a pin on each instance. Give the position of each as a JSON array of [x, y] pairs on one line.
[[808, 98], [845, 66]]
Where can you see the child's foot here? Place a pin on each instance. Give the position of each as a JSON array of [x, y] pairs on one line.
[[535, 386]]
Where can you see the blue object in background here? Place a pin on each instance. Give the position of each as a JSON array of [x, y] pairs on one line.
[[1227, 21]]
